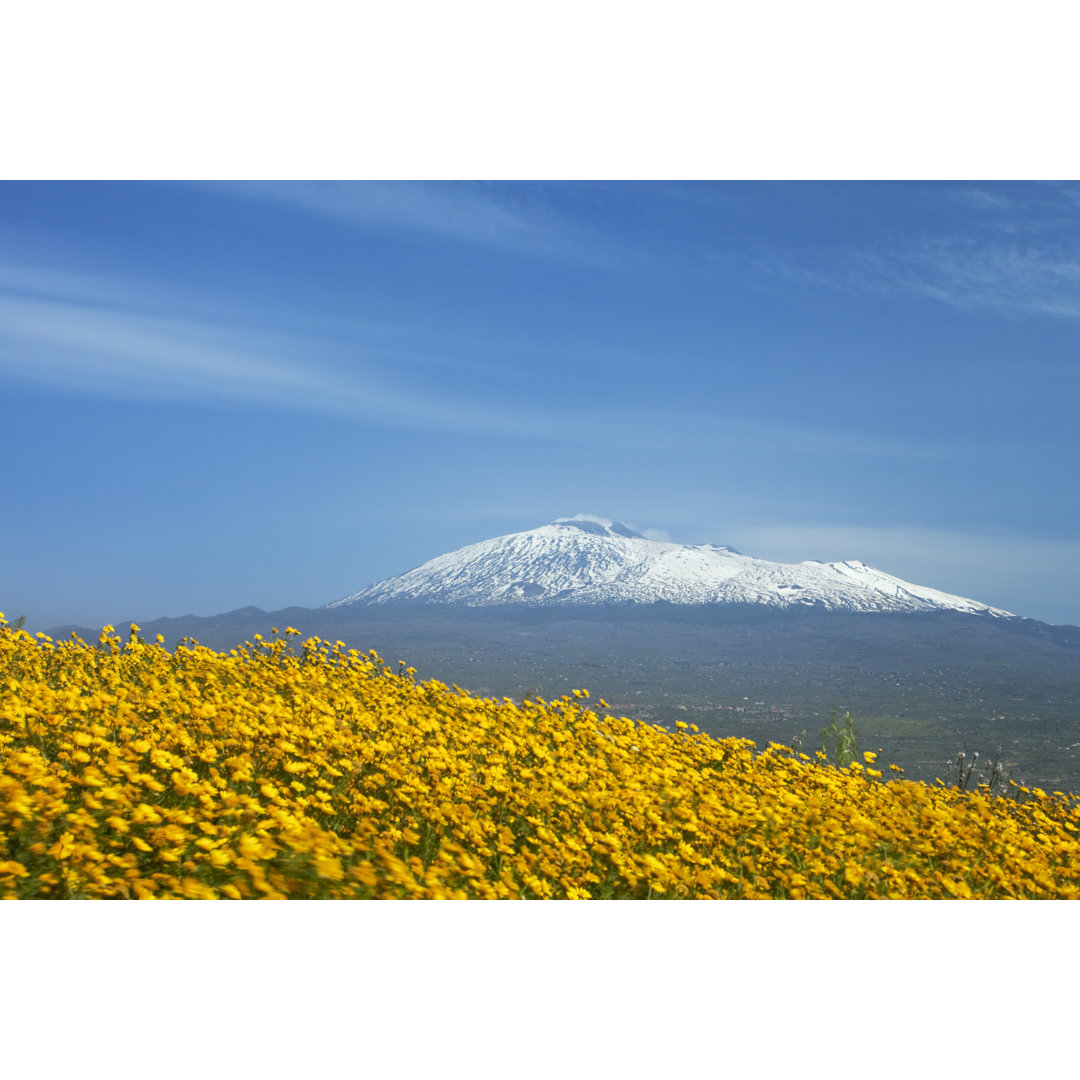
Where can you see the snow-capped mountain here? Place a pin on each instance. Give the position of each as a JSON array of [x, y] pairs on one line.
[[590, 561]]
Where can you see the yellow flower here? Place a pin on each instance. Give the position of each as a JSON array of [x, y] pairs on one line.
[[199, 752], [145, 815], [252, 848], [63, 847], [328, 866]]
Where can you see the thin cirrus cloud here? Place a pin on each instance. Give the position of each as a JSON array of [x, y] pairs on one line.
[[97, 336], [1011, 259], [134, 356], [981, 198], [122, 352], [22, 279], [988, 278], [476, 215], [129, 354], [994, 277], [101, 335]]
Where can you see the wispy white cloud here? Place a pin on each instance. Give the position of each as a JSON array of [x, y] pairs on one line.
[[590, 517], [1012, 260], [649, 534], [105, 338], [981, 198], [123, 353], [1005, 278], [132, 353], [134, 356], [22, 279], [508, 219], [988, 277]]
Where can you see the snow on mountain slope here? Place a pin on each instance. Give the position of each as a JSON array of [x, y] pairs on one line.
[[593, 562]]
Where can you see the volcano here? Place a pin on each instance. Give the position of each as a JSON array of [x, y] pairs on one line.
[[588, 561]]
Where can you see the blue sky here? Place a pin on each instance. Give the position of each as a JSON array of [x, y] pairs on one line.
[[219, 394]]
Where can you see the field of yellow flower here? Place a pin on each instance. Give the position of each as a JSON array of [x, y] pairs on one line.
[[318, 772]]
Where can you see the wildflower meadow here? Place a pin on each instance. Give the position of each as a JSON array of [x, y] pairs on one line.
[[305, 769]]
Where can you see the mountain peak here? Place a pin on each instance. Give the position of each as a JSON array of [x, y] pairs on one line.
[[591, 561]]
